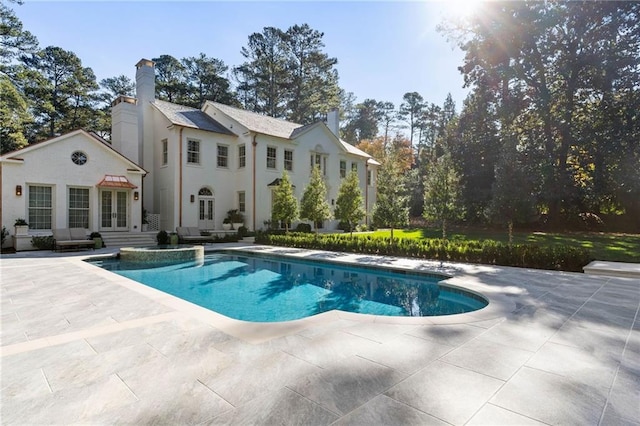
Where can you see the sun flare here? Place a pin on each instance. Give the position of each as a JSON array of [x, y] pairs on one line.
[[460, 8]]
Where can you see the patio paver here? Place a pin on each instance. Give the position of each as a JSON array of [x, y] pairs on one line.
[[80, 345]]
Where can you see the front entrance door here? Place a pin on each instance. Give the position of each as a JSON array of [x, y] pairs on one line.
[[114, 211]]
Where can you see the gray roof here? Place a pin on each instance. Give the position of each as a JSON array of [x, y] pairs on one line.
[[266, 125], [259, 123], [181, 115], [357, 151]]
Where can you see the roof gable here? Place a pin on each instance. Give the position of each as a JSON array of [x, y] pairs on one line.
[[91, 137]]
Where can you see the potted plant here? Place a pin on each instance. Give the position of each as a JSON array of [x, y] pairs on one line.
[[97, 240], [162, 237], [174, 239], [235, 218], [21, 227], [226, 224]]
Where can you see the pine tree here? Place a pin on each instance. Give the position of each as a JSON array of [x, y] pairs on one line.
[[285, 205], [392, 204], [314, 205], [442, 193], [349, 205]]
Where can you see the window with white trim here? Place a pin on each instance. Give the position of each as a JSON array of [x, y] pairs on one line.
[[165, 152], [288, 160], [242, 156], [354, 167], [369, 177], [343, 169], [271, 157], [320, 161], [223, 156], [242, 205], [193, 151], [78, 216], [40, 207]]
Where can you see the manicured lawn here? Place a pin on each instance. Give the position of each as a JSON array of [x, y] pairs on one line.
[[603, 246]]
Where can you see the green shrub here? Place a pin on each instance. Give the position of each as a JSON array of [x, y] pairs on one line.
[[42, 242], [242, 231], [162, 238], [486, 252], [303, 227]]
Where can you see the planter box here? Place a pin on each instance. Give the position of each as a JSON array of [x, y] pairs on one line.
[[21, 230], [97, 243], [237, 226]]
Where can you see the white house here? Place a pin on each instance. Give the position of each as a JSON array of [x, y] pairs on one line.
[[204, 162], [197, 164], [73, 180]]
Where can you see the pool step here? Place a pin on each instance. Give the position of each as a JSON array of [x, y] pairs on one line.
[[613, 269]]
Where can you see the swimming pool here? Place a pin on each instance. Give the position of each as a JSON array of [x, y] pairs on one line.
[[255, 287]]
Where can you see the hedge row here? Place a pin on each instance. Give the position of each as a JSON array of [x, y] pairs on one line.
[[486, 252]]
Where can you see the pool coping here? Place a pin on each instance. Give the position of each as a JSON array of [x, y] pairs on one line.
[[500, 299]]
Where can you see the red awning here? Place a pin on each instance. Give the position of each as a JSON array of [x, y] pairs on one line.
[[111, 181]]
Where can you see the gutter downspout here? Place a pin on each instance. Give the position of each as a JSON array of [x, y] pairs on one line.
[[180, 178], [254, 144], [366, 193]]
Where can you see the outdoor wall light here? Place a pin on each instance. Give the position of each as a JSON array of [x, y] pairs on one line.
[[192, 198], [136, 195], [19, 190]]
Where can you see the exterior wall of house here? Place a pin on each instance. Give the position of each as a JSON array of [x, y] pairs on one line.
[[221, 181], [50, 165], [172, 189]]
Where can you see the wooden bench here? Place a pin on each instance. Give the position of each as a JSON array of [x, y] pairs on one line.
[[71, 238], [191, 234]]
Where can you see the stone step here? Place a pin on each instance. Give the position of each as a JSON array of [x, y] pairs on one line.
[[138, 239], [613, 269]]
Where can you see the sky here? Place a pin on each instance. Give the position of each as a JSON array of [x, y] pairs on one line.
[[384, 49]]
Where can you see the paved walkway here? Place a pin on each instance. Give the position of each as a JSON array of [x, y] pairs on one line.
[[80, 345]]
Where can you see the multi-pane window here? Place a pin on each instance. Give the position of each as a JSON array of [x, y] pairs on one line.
[[242, 205], [354, 167], [288, 160], [369, 177], [271, 157], [320, 161], [79, 208], [343, 169], [39, 207], [223, 156], [165, 152], [193, 152], [242, 156]]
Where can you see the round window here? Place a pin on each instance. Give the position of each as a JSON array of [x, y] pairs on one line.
[[79, 158]]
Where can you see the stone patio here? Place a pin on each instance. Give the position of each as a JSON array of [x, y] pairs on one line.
[[80, 345]]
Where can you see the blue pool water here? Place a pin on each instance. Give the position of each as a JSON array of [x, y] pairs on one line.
[[255, 287]]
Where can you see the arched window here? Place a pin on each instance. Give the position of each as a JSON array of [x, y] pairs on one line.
[[205, 192]]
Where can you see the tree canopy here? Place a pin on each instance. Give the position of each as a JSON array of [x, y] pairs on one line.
[[553, 105]]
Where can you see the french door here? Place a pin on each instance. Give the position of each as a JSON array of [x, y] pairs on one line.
[[206, 212], [114, 210]]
